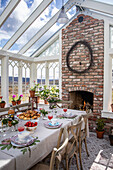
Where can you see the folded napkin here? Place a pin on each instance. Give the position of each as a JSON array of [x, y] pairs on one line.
[[55, 124]]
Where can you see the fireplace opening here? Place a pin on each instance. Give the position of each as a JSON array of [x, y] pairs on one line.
[[82, 100]]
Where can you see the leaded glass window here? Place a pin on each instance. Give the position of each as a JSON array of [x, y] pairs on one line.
[[13, 78], [25, 80]]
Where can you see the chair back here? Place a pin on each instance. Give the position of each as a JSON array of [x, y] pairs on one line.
[[75, 131], [56, 157], [85, 120]]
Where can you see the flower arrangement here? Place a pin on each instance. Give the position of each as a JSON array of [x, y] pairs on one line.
[[43, 111], [52, 99], [19, 99], [54, 91], [44, 92], [13, 98]]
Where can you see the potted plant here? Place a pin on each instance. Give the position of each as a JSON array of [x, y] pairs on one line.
[[33, 89], [13, 100], [54, 91], [2, 104], [100, 127], [19, 99], [44, 93]]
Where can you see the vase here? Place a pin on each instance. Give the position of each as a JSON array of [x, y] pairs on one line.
[[32, 93], [13, 103], [18, 101]]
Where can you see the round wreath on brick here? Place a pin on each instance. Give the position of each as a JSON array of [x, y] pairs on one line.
[[80, 63]]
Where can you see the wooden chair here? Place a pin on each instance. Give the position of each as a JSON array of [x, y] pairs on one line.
[[56, 153], [83, 137], [72, 148]]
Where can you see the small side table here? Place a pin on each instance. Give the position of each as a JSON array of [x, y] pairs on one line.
[[34, 100]]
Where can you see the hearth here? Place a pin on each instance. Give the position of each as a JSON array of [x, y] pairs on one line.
[[82, 100]]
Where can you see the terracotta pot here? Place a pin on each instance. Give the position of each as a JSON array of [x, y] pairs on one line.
[[18, 101], [32, 93], [2, 105], [38, 99], [100, 134], [13, 103], [46, 102]]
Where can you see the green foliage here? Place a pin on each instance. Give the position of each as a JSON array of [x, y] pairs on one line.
[[43, 111], [54, 91], [100, 124], [2, 101], [44, 92]]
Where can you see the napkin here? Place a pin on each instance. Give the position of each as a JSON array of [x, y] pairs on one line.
[[55, 124]]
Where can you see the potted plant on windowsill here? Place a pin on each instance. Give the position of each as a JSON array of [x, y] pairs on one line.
[[44, 93], [2, 104], [19, 99], [13, 100], [100, 127], [33, 89]]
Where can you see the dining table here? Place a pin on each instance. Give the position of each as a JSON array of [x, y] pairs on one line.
[[14, 158]]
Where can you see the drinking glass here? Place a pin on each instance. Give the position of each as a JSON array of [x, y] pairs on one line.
[[65, 110], [50, 116]]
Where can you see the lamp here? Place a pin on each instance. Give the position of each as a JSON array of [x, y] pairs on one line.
[[62, 18]]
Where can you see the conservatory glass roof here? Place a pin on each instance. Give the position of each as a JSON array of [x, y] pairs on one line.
[[28, 24]]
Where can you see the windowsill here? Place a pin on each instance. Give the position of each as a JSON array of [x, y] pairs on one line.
[[107, 114]]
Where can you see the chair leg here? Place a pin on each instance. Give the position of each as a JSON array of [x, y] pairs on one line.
[[67, 165], [86, 146], [77, 161], [80, 147]]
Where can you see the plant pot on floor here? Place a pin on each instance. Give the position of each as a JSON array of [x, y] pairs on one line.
[[100, 134], [32, 93]]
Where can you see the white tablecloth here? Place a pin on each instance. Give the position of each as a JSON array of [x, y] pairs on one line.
[[48, 140]]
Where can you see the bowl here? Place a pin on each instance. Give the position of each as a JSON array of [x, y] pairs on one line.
[[31, 125]]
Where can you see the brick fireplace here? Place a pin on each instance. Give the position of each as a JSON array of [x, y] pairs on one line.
[[91, 82]]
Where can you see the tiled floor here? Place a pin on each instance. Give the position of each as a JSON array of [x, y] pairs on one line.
[[101, 154]]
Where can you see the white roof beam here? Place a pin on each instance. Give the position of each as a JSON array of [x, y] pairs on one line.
[[27, 23], [46, 27], [8, 10], [97, 6]]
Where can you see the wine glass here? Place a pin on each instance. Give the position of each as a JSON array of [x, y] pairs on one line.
[[50, 116], [65, 110]]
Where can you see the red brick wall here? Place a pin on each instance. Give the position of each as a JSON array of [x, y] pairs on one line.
[[91, 30]]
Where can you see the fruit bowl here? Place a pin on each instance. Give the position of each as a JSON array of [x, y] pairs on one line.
[[30, 126]]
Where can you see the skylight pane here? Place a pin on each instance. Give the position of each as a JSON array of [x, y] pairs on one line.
[[49, 33], [16, 19], [39, 23], [3, 4]]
